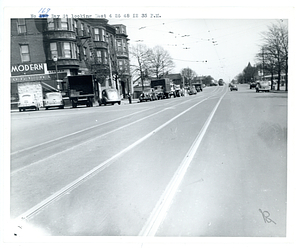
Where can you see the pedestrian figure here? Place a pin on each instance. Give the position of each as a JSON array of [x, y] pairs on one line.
[[129, 98]]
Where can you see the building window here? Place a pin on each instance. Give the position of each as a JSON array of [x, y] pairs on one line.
[[103, 35], [75, 26], [96, 34], [63, 50], [78, 52], [105, 57], [53, 50], [99, 57], [82, 28], [84, 53], [124, 46], [119, 44], [64, 23], [60, 24], [21, 26], [99, 34], [121, 65], [25, 57], [67, 53]]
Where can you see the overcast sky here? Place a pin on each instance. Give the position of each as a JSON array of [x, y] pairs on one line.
[[221, 48]]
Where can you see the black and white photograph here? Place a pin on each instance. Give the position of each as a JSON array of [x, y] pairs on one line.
[[147, 124]]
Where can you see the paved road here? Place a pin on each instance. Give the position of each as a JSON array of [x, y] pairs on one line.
[[212, 164]]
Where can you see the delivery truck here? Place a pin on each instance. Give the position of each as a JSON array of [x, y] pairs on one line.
[[82, 90], [162, 88]]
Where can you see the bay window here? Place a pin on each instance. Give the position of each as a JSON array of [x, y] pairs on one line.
[[99, 34], [60, 24], [63, 50]]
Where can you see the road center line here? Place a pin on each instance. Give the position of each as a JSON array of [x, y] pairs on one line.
[[161, 208], [57, 195]]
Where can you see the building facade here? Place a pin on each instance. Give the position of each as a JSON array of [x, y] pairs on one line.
[[46, 51]]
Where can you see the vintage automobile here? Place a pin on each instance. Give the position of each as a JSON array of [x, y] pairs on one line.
[[110, 96], [28, 101], [192, 91], [263, 86], [233, 87], [54, 100], [148, 95]]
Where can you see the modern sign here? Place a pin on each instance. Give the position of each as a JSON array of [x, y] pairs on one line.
[[28, 69]]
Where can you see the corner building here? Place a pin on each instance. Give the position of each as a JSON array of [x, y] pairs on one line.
[[45, 51]]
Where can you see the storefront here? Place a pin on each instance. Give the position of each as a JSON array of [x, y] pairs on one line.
[[34, 78]]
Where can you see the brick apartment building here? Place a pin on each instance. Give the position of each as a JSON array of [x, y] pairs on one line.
[[45, 51]]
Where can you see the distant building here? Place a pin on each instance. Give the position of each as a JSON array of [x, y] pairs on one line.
[[176, 79], [45, 51]]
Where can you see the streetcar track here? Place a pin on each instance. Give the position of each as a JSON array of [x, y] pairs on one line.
[[161, 208], [91, 139], [68, 188], [75, 133]]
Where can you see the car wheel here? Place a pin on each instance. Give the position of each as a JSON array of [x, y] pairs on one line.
[[119, 103]]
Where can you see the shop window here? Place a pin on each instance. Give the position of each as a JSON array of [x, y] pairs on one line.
[[25, 56], [21, 23]]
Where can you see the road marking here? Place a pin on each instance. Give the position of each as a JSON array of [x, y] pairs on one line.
[[161, 208], [90, 140], [68, 188], [74, 133]]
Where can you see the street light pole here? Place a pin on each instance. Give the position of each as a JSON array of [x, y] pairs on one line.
[[57, 81]]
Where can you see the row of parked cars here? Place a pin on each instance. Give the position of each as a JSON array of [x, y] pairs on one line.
[[30, 101], [56, 100], [153, 94]]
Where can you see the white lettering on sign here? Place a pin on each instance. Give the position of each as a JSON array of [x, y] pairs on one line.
[[27, 68]]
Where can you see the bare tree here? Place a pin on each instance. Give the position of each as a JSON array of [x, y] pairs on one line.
[[160, 62], [275, 49], [188, 74], [140, 57]]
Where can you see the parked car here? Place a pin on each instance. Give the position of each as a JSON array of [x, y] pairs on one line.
[[263, 86], [110, 96], [148, 95], [233, 87], [54, 100], [28, 101], [192, 91]]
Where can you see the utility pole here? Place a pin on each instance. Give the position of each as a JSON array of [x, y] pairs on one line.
[[263, 55], [109, 62]]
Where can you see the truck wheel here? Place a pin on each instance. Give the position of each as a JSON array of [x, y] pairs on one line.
[[119, 103], [20, 110]]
